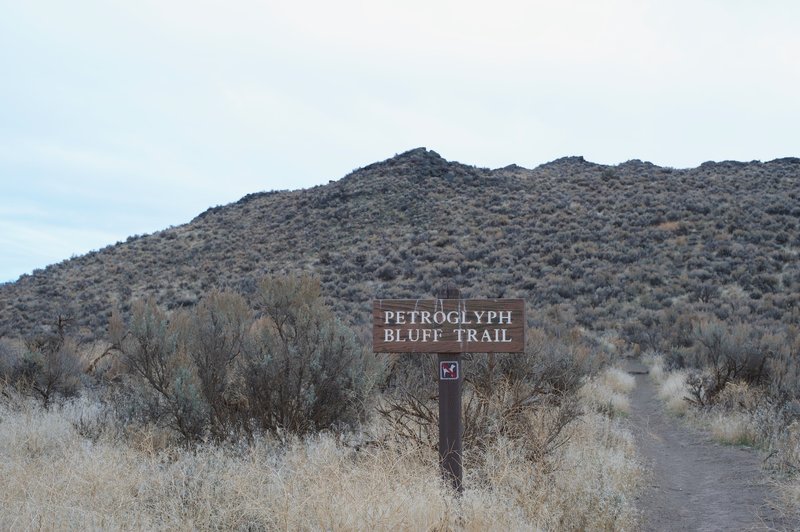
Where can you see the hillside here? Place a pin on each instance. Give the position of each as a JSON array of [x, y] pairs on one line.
[[603, 247]]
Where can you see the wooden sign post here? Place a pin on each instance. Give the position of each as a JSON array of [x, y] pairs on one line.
[[449, 326], [451, 424]]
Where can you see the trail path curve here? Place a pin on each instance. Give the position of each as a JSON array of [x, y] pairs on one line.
[[694, 482]]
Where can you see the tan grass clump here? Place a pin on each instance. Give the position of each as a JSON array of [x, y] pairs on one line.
[[607, 392], [672, 387], [655, 363], [739, 396], [734, 428], [788, 498], [592, 474], [785, 464], [619, 380], [673, 392]]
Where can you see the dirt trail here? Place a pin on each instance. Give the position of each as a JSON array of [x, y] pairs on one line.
[[696, 484]]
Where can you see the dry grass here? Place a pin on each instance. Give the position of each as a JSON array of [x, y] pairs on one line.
[[784, 463], [668, 226], [608, 391], [673, 392], [672, 389], [619, 380], [55, 478], [735, 428], [655, 363], [787, 482], [788, 495]]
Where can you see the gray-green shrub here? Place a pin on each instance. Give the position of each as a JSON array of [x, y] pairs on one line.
[[45, 366], [225, 369]]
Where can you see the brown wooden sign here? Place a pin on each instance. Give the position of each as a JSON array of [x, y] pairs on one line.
[[448, 325]]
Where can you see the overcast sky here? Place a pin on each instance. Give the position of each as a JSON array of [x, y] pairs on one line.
[[121, 118]]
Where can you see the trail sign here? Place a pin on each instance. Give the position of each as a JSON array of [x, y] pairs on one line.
[[448, 325]]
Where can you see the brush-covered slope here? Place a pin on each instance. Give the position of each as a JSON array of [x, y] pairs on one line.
[[600, 246]]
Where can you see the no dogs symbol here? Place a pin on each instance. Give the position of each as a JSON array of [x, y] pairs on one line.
[[448, 370]]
